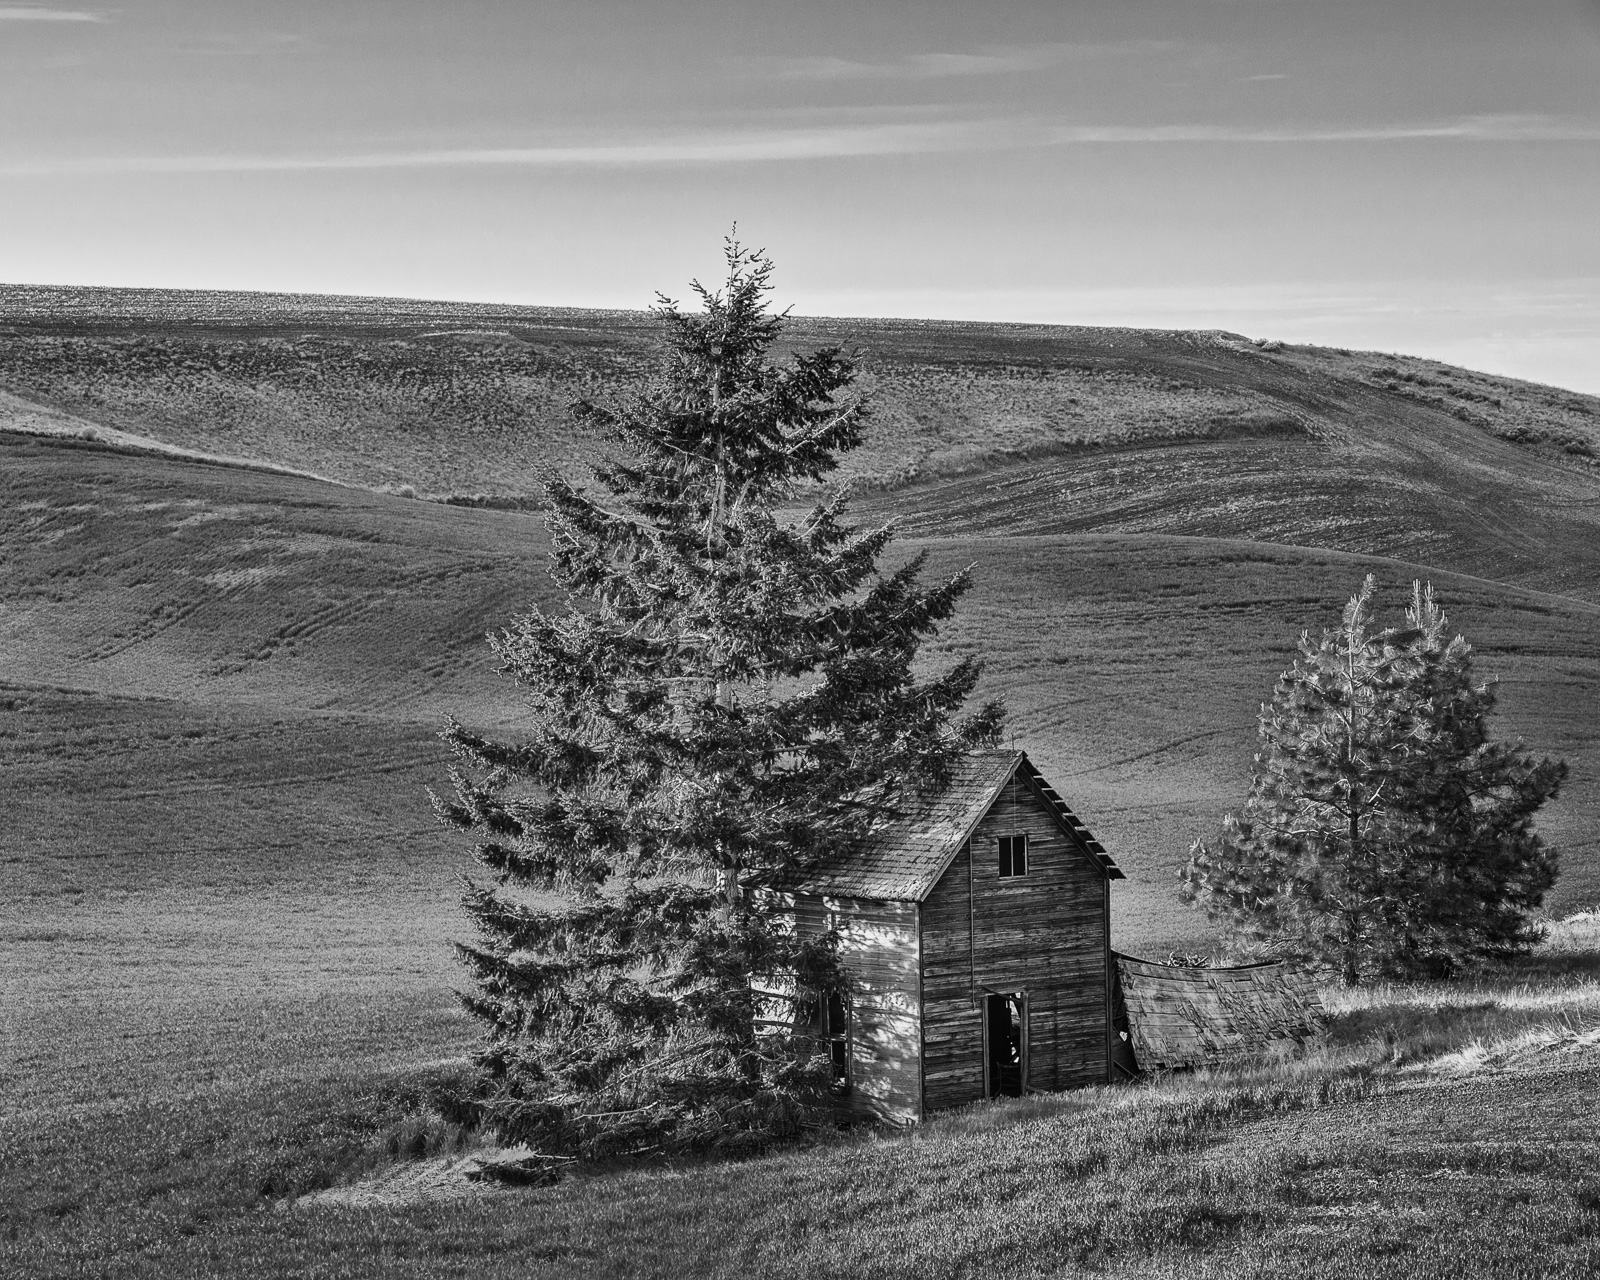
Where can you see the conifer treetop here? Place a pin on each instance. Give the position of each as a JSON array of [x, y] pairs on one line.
[[721, 428]]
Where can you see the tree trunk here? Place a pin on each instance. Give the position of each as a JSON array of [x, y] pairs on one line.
[[731, 890], [1352, 921], [1352, 950]]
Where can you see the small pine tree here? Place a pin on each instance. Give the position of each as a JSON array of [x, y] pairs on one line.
[[727, 695], [1479, 867], [1305, 868], [1384, 832]]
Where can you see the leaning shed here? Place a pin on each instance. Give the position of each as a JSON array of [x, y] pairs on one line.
[[1169, 1017], [976, 928]]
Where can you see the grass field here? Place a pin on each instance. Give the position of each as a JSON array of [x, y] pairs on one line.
[[225, 909], [1385, 1153]]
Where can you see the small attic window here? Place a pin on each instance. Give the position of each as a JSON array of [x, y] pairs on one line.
[[1013, 856]]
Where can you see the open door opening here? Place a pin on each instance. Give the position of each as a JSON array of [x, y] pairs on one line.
[[1005, 1027]]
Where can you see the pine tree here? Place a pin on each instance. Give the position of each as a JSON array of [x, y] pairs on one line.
[[727, 695], [1479, 867], [1384, 833], [1305, 868]]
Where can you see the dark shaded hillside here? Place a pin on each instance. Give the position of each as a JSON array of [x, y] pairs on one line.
[[221, 677], [977, 428]]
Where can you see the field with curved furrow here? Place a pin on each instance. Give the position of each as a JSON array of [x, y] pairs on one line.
[[975, 427], [1134, 666], [156, 578], [1419, 486], [252, 614]]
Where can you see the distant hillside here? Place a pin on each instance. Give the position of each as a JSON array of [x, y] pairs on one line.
[[977, 428], [211, 676], [1153, 517]]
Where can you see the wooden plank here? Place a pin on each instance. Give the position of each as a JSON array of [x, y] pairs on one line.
[[1042, 932], [878, 946], [1187, 1017]]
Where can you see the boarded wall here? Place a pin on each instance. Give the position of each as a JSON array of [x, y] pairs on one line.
[[878, 946], [1195, 1017]]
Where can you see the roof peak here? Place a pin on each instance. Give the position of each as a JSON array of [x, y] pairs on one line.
[[903, 856]]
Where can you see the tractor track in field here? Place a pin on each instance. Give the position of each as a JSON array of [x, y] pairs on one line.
[[421, 759]]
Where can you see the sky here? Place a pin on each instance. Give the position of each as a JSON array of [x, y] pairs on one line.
[[1409, 175]]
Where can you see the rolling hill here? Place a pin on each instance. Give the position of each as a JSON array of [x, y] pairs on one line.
[[205, 656], [1153, 517], [977, 429], [228, 640]]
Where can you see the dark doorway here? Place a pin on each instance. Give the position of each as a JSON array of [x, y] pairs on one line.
[[1006, 1028]]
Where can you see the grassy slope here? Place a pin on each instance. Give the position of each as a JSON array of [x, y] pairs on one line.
[[223, 892], [226, 905], [1349, 1163], [1393, 1186]]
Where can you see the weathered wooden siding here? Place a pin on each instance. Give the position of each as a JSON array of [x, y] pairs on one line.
[[878, 944], [1194, 1017], [1043, 933]]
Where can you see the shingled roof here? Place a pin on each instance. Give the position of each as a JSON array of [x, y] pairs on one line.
[[904, 853]]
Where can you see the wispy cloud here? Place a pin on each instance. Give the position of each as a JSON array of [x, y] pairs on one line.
[[836, 142], [1461, 129], [732, 148], [991, 61], [240, 45], [38, 13], [919, 66]]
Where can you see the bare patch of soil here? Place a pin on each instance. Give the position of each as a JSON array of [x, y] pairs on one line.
[[411, 1182]]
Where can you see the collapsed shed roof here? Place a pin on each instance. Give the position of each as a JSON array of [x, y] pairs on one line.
[[907, 849], [1178, 1017]]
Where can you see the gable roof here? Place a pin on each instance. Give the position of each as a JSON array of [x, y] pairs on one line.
[[903, 854]]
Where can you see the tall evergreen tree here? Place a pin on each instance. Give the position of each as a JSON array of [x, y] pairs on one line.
[[727, 695], [1384, 833]]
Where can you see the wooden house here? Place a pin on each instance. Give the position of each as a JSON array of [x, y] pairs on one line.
[[976, 928]]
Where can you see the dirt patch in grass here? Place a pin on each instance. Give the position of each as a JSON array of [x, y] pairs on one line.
[[404, 1183]]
